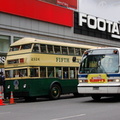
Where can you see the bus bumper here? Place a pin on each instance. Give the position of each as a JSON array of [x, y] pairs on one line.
[[99, 89]]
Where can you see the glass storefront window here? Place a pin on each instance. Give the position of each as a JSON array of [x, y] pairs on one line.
[[4, 43], [16, 39]]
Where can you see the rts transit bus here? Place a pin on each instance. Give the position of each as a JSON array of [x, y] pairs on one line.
[[35, 68], [99, 73]]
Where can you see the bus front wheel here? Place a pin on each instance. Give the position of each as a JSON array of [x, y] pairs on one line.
[[55, 92], [96, 97]]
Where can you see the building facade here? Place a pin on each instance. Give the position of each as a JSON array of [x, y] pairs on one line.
[[43, 20]]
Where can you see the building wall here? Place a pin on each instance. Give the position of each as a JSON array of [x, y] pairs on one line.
[[24, 27]]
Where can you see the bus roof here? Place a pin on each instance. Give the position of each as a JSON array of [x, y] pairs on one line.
[[104, 48], [34, 40]]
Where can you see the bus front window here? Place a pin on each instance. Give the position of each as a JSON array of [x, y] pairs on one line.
[[15, 48], [26, 46], [100, 64]]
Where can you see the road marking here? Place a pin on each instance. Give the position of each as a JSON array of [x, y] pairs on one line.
[[63, 118], [4, 112]]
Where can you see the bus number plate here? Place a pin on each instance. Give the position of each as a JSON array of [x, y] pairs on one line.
[[95, 88]]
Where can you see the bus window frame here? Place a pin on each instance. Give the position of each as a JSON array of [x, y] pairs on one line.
[[11, 48], [38, 75], [49, 52], [44, 49], [66, 52], [19, 77], [33, 49], [50, 73], [57, 51], [26, 48], [69, 51], [80, 53], [45, 76]]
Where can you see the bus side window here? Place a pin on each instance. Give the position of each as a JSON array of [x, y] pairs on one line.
[[72, 72], [57, 50], [83, 50], [71, 51], [42, 71], [7, 73], [50, 48], [43, 48], [64, 50], [14, 48], [26, 46], [50, 71], [77, 51], [23, 72], [76, 72], [65, 72], [16, 73], [58, 72], [34, 72], [36, 48]]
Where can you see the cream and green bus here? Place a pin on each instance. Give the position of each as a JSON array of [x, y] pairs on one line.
[[35, 68]]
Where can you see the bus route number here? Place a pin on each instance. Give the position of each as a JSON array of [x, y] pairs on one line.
[[62, 59], [35, 59]]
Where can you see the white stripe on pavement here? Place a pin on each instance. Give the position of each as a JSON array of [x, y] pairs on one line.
[[63, 118]]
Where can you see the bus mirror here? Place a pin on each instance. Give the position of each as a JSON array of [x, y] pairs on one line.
[[74, 59]]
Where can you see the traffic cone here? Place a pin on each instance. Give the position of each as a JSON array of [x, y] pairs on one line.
[[1, 100], [11, 98]]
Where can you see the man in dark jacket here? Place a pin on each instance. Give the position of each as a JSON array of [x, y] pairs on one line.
[[2, 83]]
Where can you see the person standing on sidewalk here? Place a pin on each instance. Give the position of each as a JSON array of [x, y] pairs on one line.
[[2, 83]]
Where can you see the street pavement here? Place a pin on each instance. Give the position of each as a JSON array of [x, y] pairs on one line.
[[66, 108]]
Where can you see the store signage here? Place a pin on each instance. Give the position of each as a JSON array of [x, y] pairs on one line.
[[68, 3], [65, 3], [38, 10], [2, 59], [100, 24]]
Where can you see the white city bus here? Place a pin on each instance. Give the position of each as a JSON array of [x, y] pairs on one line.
[[99, 73]]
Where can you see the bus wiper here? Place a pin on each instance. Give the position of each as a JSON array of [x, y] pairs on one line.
[[102, 68]]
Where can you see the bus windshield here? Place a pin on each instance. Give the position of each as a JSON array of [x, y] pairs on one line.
[[103, 63]]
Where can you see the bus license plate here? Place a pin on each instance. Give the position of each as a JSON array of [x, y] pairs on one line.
[[95, 88]]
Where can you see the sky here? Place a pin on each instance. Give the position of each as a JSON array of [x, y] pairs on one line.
[[107, 9]]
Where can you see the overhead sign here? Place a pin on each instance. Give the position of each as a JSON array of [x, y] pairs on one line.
[[92, 25]]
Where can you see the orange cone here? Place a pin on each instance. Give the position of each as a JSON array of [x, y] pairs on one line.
[[11, 98], [1, 100]]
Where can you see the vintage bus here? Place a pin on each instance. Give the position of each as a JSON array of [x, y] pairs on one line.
[[35, 68], [99, 73]]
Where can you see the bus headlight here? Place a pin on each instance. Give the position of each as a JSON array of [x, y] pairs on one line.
[[117, 80], [80, 81], [24, 86], [83, 81], [8, 86]]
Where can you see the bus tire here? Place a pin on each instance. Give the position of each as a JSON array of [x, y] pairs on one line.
[[96, 97], [78, 95], [55, 92], [30, 99]]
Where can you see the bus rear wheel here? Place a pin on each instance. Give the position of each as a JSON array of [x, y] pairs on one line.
[[55, 92]]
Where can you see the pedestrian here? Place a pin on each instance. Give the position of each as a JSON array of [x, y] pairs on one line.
[[2, 83]]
